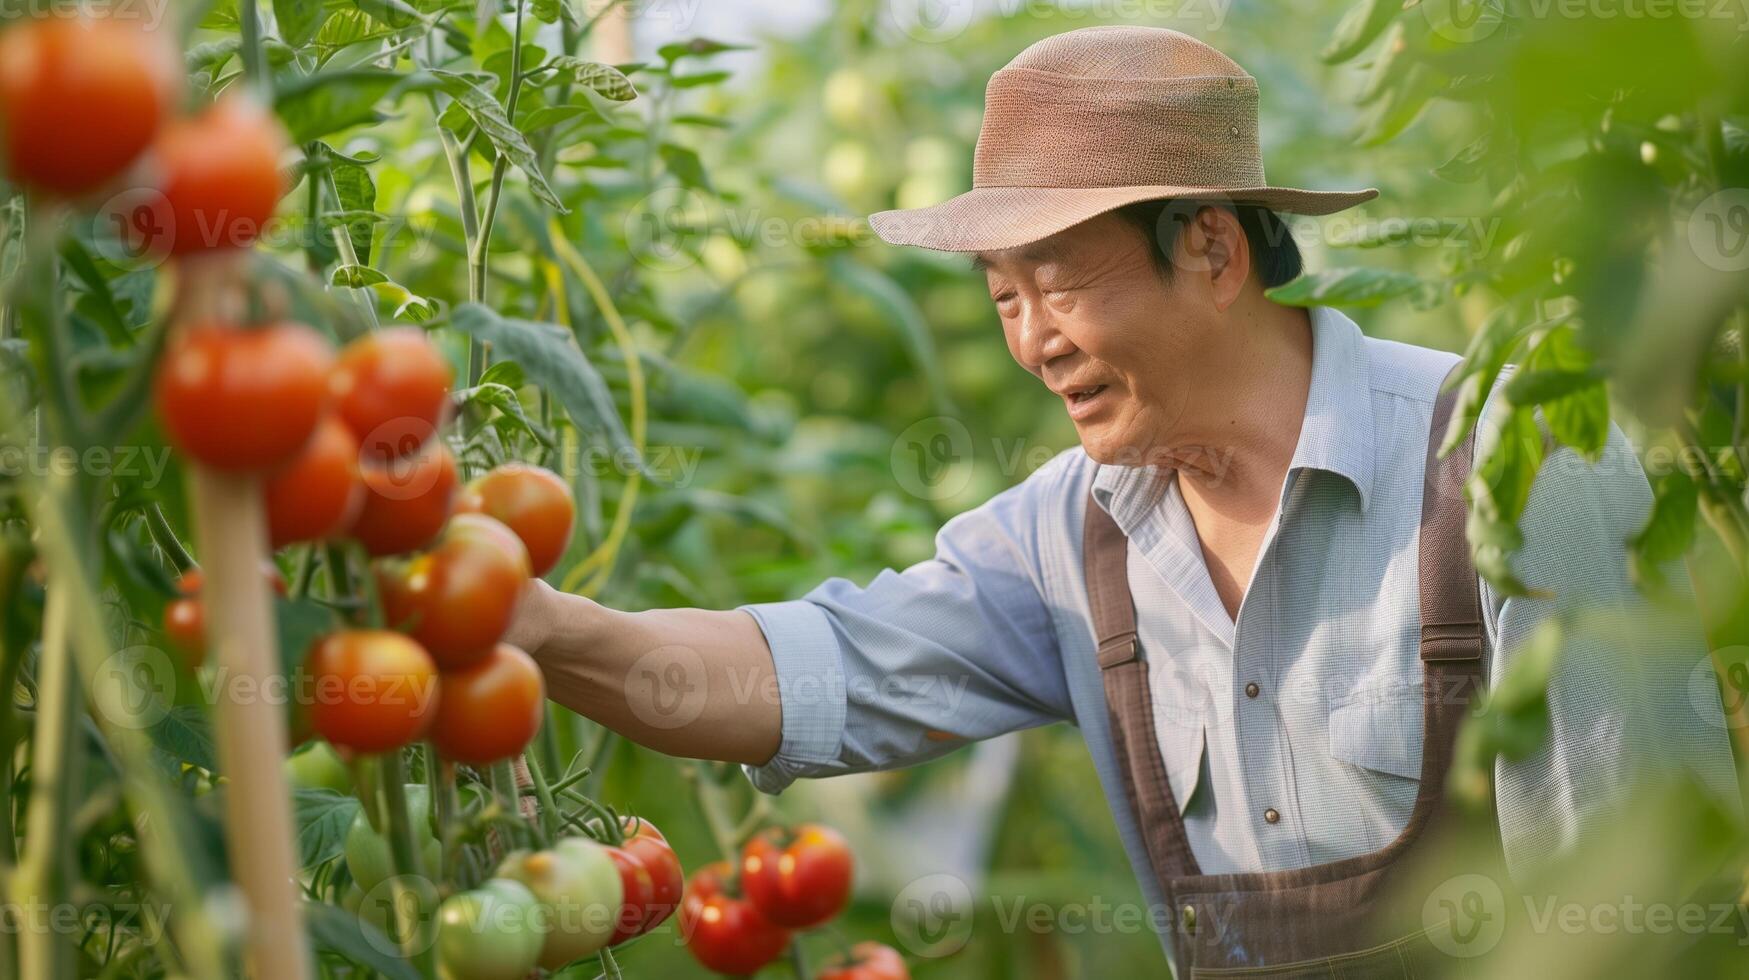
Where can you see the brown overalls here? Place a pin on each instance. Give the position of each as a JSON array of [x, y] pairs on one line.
[[1324, 920]]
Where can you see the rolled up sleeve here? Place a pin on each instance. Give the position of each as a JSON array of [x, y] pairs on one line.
[[917, 663]]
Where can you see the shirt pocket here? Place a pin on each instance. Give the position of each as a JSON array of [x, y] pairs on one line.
[[1181, 749], [1377, 726]]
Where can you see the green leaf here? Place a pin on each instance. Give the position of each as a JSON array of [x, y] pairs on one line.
[[549, 356], [1345, 287], [298, 20], [698, 47], [902, 313], [103, 307], [487, 114], [506, 373], [1489, 350], [357, 193], [604, 80], [356, 277], [1561, 376], [696, 80], [553, 11], [184, 735], [1669, 527], [338, 932], [322, 818], [329, 101], [504, 399], [685, 165], [1468, 164], [1512, 720], [1357, 29]]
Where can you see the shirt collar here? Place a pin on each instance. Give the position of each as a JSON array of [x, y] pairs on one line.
[[1336, 434]]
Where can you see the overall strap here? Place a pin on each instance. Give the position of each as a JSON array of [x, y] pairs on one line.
[[1129, 698]]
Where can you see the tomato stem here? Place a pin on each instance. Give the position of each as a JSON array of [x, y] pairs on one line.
[[165, 538], [409, 917], [41, 876], [549, 811], [798, 959]]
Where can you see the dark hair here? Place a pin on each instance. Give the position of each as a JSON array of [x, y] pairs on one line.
[[1274, 253]]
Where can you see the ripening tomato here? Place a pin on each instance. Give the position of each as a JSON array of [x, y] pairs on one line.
[[368, 854], [646, 843], [218, 174], [457, 598], [867, 961], [797, 877], [242, 399], [579, 893], [370, 690], [185, 618], [640, 893], [317, 496], [490, 933], [723, 930], [489, 711], [406, 501], [392, 388], [80, 98], [533, 502]]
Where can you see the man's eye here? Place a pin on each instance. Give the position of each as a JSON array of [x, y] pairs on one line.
[[1002, 297]]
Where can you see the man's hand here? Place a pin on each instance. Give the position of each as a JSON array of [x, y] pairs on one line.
[[687, 682]]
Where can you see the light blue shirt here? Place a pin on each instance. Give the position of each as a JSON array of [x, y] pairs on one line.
[[993, 635]]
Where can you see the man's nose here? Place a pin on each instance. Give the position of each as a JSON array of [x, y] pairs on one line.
[[1037, 339]]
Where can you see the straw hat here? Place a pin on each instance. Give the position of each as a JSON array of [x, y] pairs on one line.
[[1091, 120]]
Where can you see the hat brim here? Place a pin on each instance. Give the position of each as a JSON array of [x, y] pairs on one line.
[[989, 219]]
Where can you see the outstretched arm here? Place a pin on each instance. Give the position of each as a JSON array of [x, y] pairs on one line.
[[686, 682]]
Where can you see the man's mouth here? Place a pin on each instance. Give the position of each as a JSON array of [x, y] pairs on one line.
[[1083, 401], [1080, 395]]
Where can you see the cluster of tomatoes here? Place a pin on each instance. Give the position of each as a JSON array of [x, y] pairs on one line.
[[736, 920], [86, 101], [346, 447], [545, 908]]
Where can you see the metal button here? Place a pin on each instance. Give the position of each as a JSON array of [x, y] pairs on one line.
[[1270, 816], [1232, 130], [1187, 915], [1251, 689]]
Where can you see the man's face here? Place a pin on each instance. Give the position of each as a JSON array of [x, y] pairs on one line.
[[1088, 312]]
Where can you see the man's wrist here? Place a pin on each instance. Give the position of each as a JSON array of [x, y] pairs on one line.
[[533, 623]]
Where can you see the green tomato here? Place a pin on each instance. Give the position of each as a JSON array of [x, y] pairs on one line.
[[318, 767], [578, 887], [490, 933], [367, 852]]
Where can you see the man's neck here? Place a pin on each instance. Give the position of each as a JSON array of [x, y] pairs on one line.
[[1248, 415]]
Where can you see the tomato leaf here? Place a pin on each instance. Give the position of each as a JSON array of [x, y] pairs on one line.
[[549, 356], [322, 818], [1669, 527], [184, 735], [326, 102], [505, 401], [604, 80], [685, 166], [1563, 379], [339, 932], [1345, 287], [298, 20], [1357, 29], [698, 47], [487, 114]]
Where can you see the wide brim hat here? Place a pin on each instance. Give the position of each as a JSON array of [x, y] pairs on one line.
[[1088, 121]]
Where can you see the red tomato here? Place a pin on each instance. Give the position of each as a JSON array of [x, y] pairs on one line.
[[406, 501], [185, 618], [647, 844], [867, 961], [724, 931], [492, 710], [533, 502], [640, 892], [457, 598], [242, 400], [317, 496], [392, 388], [371, 690], [218, 174], [797, 877], [80, 98]]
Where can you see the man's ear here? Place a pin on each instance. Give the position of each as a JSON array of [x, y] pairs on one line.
[[1221, 253]]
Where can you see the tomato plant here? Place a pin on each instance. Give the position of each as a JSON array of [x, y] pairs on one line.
[[579, 894], [490, 933], [391, 387], [491, 709], [371, 690], [318, 494], [218, 180], [532, 501], [457, 598], [407, 500], [242, 399], [865, 961]]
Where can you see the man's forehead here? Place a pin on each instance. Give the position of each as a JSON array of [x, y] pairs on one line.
[[1043, 250]]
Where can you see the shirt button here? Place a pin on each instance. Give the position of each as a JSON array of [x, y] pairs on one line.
[[1270, 816], [1251, 689], [1187, 915]]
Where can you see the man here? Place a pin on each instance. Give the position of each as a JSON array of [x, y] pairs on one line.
[[1249, 586]]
